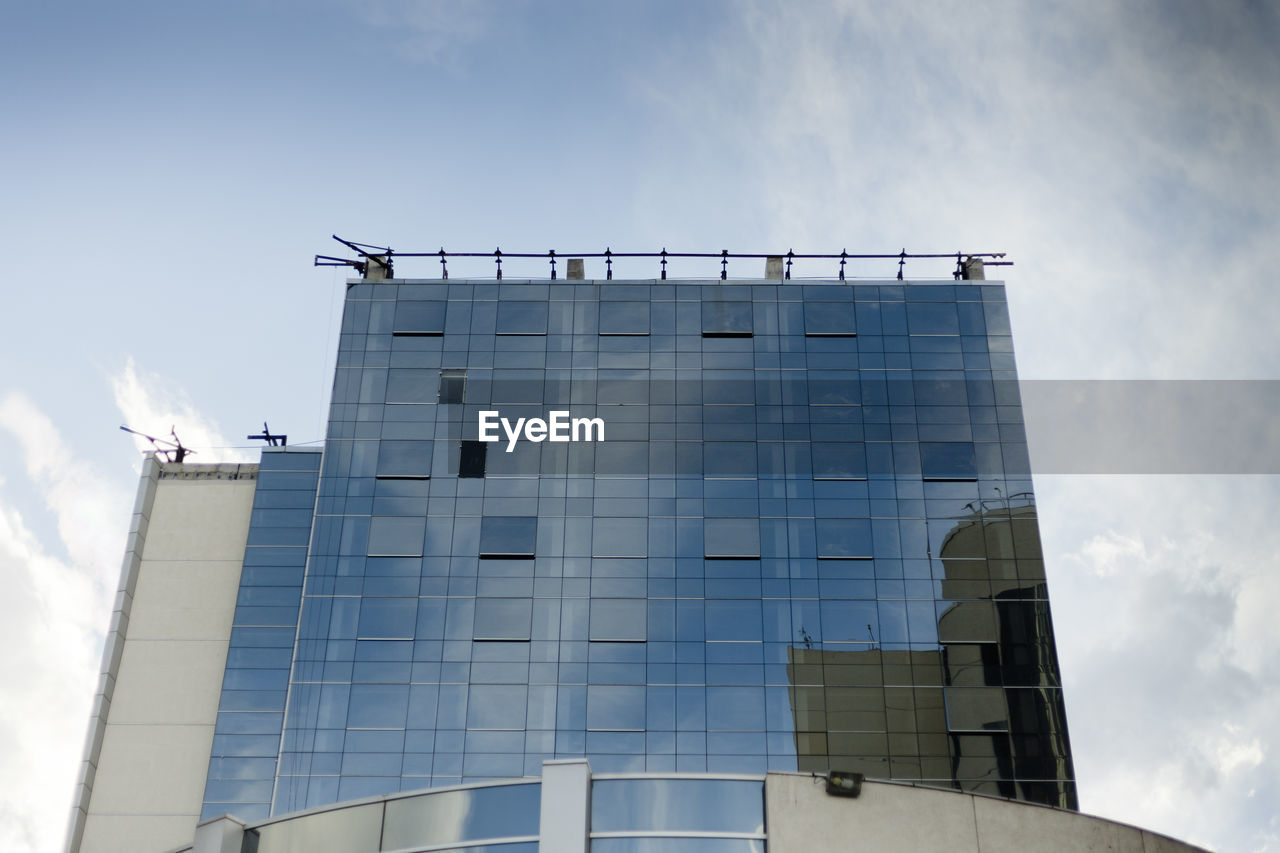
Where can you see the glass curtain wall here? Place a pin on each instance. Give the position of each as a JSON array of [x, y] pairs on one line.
[[806, 539]]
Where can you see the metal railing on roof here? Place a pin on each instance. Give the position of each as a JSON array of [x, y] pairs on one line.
[[382, 257]]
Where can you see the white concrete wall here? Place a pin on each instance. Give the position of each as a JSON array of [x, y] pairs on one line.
[[801, 818], [148, 750]]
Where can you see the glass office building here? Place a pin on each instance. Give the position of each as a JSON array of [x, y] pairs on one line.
[[790, 527]]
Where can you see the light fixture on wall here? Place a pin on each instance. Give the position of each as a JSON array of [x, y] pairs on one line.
[[842, 784]]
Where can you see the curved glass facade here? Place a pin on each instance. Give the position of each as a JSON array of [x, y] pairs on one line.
[[677, 814], [498, 818], [795, 531]]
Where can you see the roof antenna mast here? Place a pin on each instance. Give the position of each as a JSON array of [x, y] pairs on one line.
[[172, 451], [280, 440]]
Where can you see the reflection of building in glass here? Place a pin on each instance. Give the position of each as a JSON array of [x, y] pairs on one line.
[[982, 710], [794, 549]]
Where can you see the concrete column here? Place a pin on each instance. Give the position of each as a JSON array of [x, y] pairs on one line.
[[973, 269], [773, 266], [220, 835], [577, 271], [565, 819], [377, 268]]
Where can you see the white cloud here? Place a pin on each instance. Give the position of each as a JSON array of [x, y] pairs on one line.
[[428, 30], [58, 595], [1125, 164], [1105, 552], [1125, 160], [151, 404], [57, 603], [1171, 670]]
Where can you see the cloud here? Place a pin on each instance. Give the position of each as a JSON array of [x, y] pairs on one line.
[[58, 595], [149, 404], [1123, 160], [435, 31], [55, 607], [1124, 157], [1161, 588], [77, 496]]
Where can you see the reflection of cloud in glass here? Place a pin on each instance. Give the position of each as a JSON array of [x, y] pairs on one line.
[[465, 815], [677, 805]]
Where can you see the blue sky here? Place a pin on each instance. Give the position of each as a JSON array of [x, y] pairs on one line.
[[170, 169]]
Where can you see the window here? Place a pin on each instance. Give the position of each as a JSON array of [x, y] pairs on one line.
[[394, 536], [677, 805], [845, 621], [731, 539], [620, 537], [409, 385], [378, 706], [622, 458], [619, 620], [829, 320], [419, 319], [502, 619], [833, 388], [496, 707], [508, 537], [615, 708], [844, 538], [844, 460], [516, 386], [948, 460], [738, 621], [387, 618], [933, 318], [735, 709], [453, 386], [404, 460], [726, 319], [522, 318], [624, 318], [729, 459], [478, 813], [471, 458], [976, 709]]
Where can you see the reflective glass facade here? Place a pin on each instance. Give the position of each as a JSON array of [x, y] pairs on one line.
[[805, 540]]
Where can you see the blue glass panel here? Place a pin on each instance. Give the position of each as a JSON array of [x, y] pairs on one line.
[[508, 536], [844, 538], [938, 318], [948, 460], [726, 318], [689, 805], [411, 385], [396, 536], [615, 708], [388, 617], [624, 318], [419, 317], [467, 815], [829, 318], [522, 318]]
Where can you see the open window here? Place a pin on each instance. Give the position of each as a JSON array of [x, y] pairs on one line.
[[471, 458], [453, 386]]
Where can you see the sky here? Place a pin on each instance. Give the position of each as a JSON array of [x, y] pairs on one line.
[[170, 170]]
